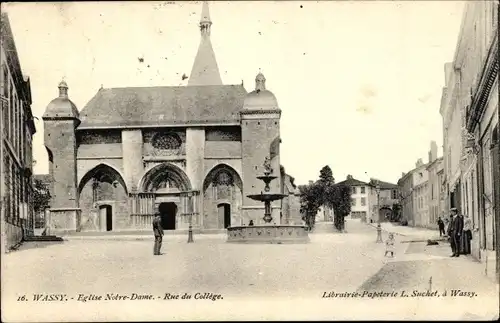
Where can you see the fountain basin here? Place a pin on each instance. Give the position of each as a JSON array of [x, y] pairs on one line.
[[268, 234], [267, 197], [266, 178]]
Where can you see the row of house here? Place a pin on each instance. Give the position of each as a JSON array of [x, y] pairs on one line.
[[422, 194], [469, 110], [16, 131], [467, 176], [371, 201]]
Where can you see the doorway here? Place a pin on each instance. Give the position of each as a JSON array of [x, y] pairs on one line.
[[106, 213], [168, 213], [224, 210]]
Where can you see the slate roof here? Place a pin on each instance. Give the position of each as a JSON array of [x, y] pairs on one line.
[[352, 182], [384, 185], [164, 106]]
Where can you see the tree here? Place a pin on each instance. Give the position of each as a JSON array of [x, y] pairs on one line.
[[339, 198], [325, 182], [396, 212], [326, 175], [41, 196], [310, 202]]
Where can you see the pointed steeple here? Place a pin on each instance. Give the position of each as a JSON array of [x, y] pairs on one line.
[[205, 69]]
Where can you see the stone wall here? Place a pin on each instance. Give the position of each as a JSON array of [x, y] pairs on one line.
[[11, 235], [260, 133]]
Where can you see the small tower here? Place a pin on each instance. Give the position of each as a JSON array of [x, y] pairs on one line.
[[60, 120], [260, 136]]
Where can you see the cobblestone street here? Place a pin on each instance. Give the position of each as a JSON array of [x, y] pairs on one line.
[[262, 274]]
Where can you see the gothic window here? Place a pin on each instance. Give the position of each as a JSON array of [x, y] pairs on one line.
[[223, 179], [223, 183], [166, 141]]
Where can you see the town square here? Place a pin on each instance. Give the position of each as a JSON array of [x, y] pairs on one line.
[[201, 160]]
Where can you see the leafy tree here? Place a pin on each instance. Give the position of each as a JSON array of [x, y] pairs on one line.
[[326, 175], [339, 198], [325, 182], [41, 196], [396, 212], [310, 202]]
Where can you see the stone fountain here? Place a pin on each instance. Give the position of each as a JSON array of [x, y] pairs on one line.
[[267, 232]]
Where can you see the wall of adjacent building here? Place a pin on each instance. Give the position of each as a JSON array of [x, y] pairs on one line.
[[473, 163], [360, 203], [16, 161]]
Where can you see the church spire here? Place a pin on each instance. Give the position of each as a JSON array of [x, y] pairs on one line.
[[205, 69]]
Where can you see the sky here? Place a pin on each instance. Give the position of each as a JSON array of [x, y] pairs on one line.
[[358, 82]]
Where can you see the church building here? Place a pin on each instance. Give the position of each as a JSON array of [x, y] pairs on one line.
[[190, 152]]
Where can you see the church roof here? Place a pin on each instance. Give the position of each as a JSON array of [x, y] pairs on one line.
[[205, 70], [163, 106]]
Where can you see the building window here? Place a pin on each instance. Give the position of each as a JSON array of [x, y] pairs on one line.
[[353, 190], [166, 141], [363, 190], [363, 201], [353, 202], [394, 194]]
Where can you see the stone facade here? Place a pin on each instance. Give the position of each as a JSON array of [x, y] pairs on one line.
[[436, 193], [414, 195], [191, 153], [16, 132], [382, 201], [474, 99]]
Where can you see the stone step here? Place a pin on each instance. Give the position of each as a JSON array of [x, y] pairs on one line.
[[42, 238], [143, 232]]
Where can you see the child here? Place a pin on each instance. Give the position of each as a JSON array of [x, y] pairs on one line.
[[389, 245]]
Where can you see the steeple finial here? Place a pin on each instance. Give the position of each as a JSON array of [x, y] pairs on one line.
[[63, 89], [205, 21], [260, 82]]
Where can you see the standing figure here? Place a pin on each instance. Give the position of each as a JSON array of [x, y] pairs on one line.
[[389, 245], [441, 227], [158, 232], [455, 232], [250, 224], [467, 236]]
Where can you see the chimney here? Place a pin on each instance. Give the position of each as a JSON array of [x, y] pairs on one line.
[[419, 163], [403, 174], [349, 176], [311, 182], [433, 152]]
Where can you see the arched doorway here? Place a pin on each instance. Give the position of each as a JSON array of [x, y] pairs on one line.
[[222, 197], [168, 214], [103, 200], [224, 212], [106, 217]]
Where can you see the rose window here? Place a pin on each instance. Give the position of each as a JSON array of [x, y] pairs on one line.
[[166, 141]]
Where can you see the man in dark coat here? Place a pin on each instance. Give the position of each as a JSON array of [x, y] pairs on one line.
[[158, 232], [441, 227], [455, 231]]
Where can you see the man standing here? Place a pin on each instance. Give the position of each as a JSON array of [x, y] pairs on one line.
[[158, 232], [455, 231], [441, 227]]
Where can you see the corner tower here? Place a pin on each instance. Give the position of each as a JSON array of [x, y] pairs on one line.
[[205, 69], [60, 121], [260, 136]]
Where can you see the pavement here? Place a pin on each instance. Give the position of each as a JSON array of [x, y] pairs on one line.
[[256, 282], [410, 234]]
